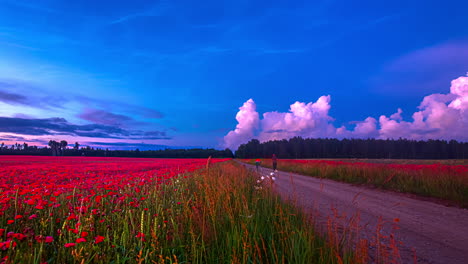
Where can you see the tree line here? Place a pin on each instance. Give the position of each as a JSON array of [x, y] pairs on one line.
[[60, 148], [314, 148], [294, 148]]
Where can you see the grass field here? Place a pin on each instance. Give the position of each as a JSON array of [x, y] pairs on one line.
[[425, 178], [405, 161], [115, 210]]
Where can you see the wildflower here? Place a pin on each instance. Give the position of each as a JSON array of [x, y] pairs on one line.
[[98, 239], [19, 236], [32, 216], [69, 245], [49, 239], [9, 222], [76, 231], [7, 244], [141, 236], [84, 234], [72, 216], [2, 231], [80, 240], [18, 217]]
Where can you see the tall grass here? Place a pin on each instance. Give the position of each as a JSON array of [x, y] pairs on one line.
[[448, 182], [213, 215]]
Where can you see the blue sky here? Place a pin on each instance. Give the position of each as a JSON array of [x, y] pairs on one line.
[[176, 72]]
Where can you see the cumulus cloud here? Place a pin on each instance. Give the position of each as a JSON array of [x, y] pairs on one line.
[[248, 121], [311, 120], [440, 116]]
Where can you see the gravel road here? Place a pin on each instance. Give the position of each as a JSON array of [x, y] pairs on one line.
[[437, 233]]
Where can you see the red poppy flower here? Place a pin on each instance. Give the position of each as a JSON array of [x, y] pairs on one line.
[[98, 239]]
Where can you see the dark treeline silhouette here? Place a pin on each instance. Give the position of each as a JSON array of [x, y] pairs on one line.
[[60, 149], [313, 148]]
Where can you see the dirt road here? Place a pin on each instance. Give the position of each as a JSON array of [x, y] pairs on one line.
[[438, 234]]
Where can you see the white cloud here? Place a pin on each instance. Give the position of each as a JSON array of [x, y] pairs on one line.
[[248, 120], [310, 120], [441, 116]]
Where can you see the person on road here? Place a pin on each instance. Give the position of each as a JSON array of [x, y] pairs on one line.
[[274, 160], [257, 163]]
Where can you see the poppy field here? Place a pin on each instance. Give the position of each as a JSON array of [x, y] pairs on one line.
[[441, 181], [121, 210]]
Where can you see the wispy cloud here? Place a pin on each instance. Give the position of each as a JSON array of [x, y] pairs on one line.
[[159, 9], [17, 45], [60, 126], [142, 111], [127, 146], [104, 117], [29, 95], [423, 70], [30, 5], [205, 26], [38, 96], [282, 51], [12, 98], [351, 30]]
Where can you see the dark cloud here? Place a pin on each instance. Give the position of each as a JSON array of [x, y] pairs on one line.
[[148, 112], [12, 138], [127, 146], [21, 139], [12, 98], [33, 99], [155, 134], [142, 111], [60, 126], [104, 117]]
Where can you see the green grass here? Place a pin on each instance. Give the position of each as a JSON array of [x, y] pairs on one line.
[[405, 161]]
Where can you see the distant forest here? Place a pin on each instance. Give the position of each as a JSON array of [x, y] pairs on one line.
[[313, 148], [294, 148], [61, 148]]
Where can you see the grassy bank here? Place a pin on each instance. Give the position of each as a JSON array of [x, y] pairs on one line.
[[447, 182]]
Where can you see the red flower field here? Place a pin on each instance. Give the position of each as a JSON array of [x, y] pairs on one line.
[[76, 200]]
